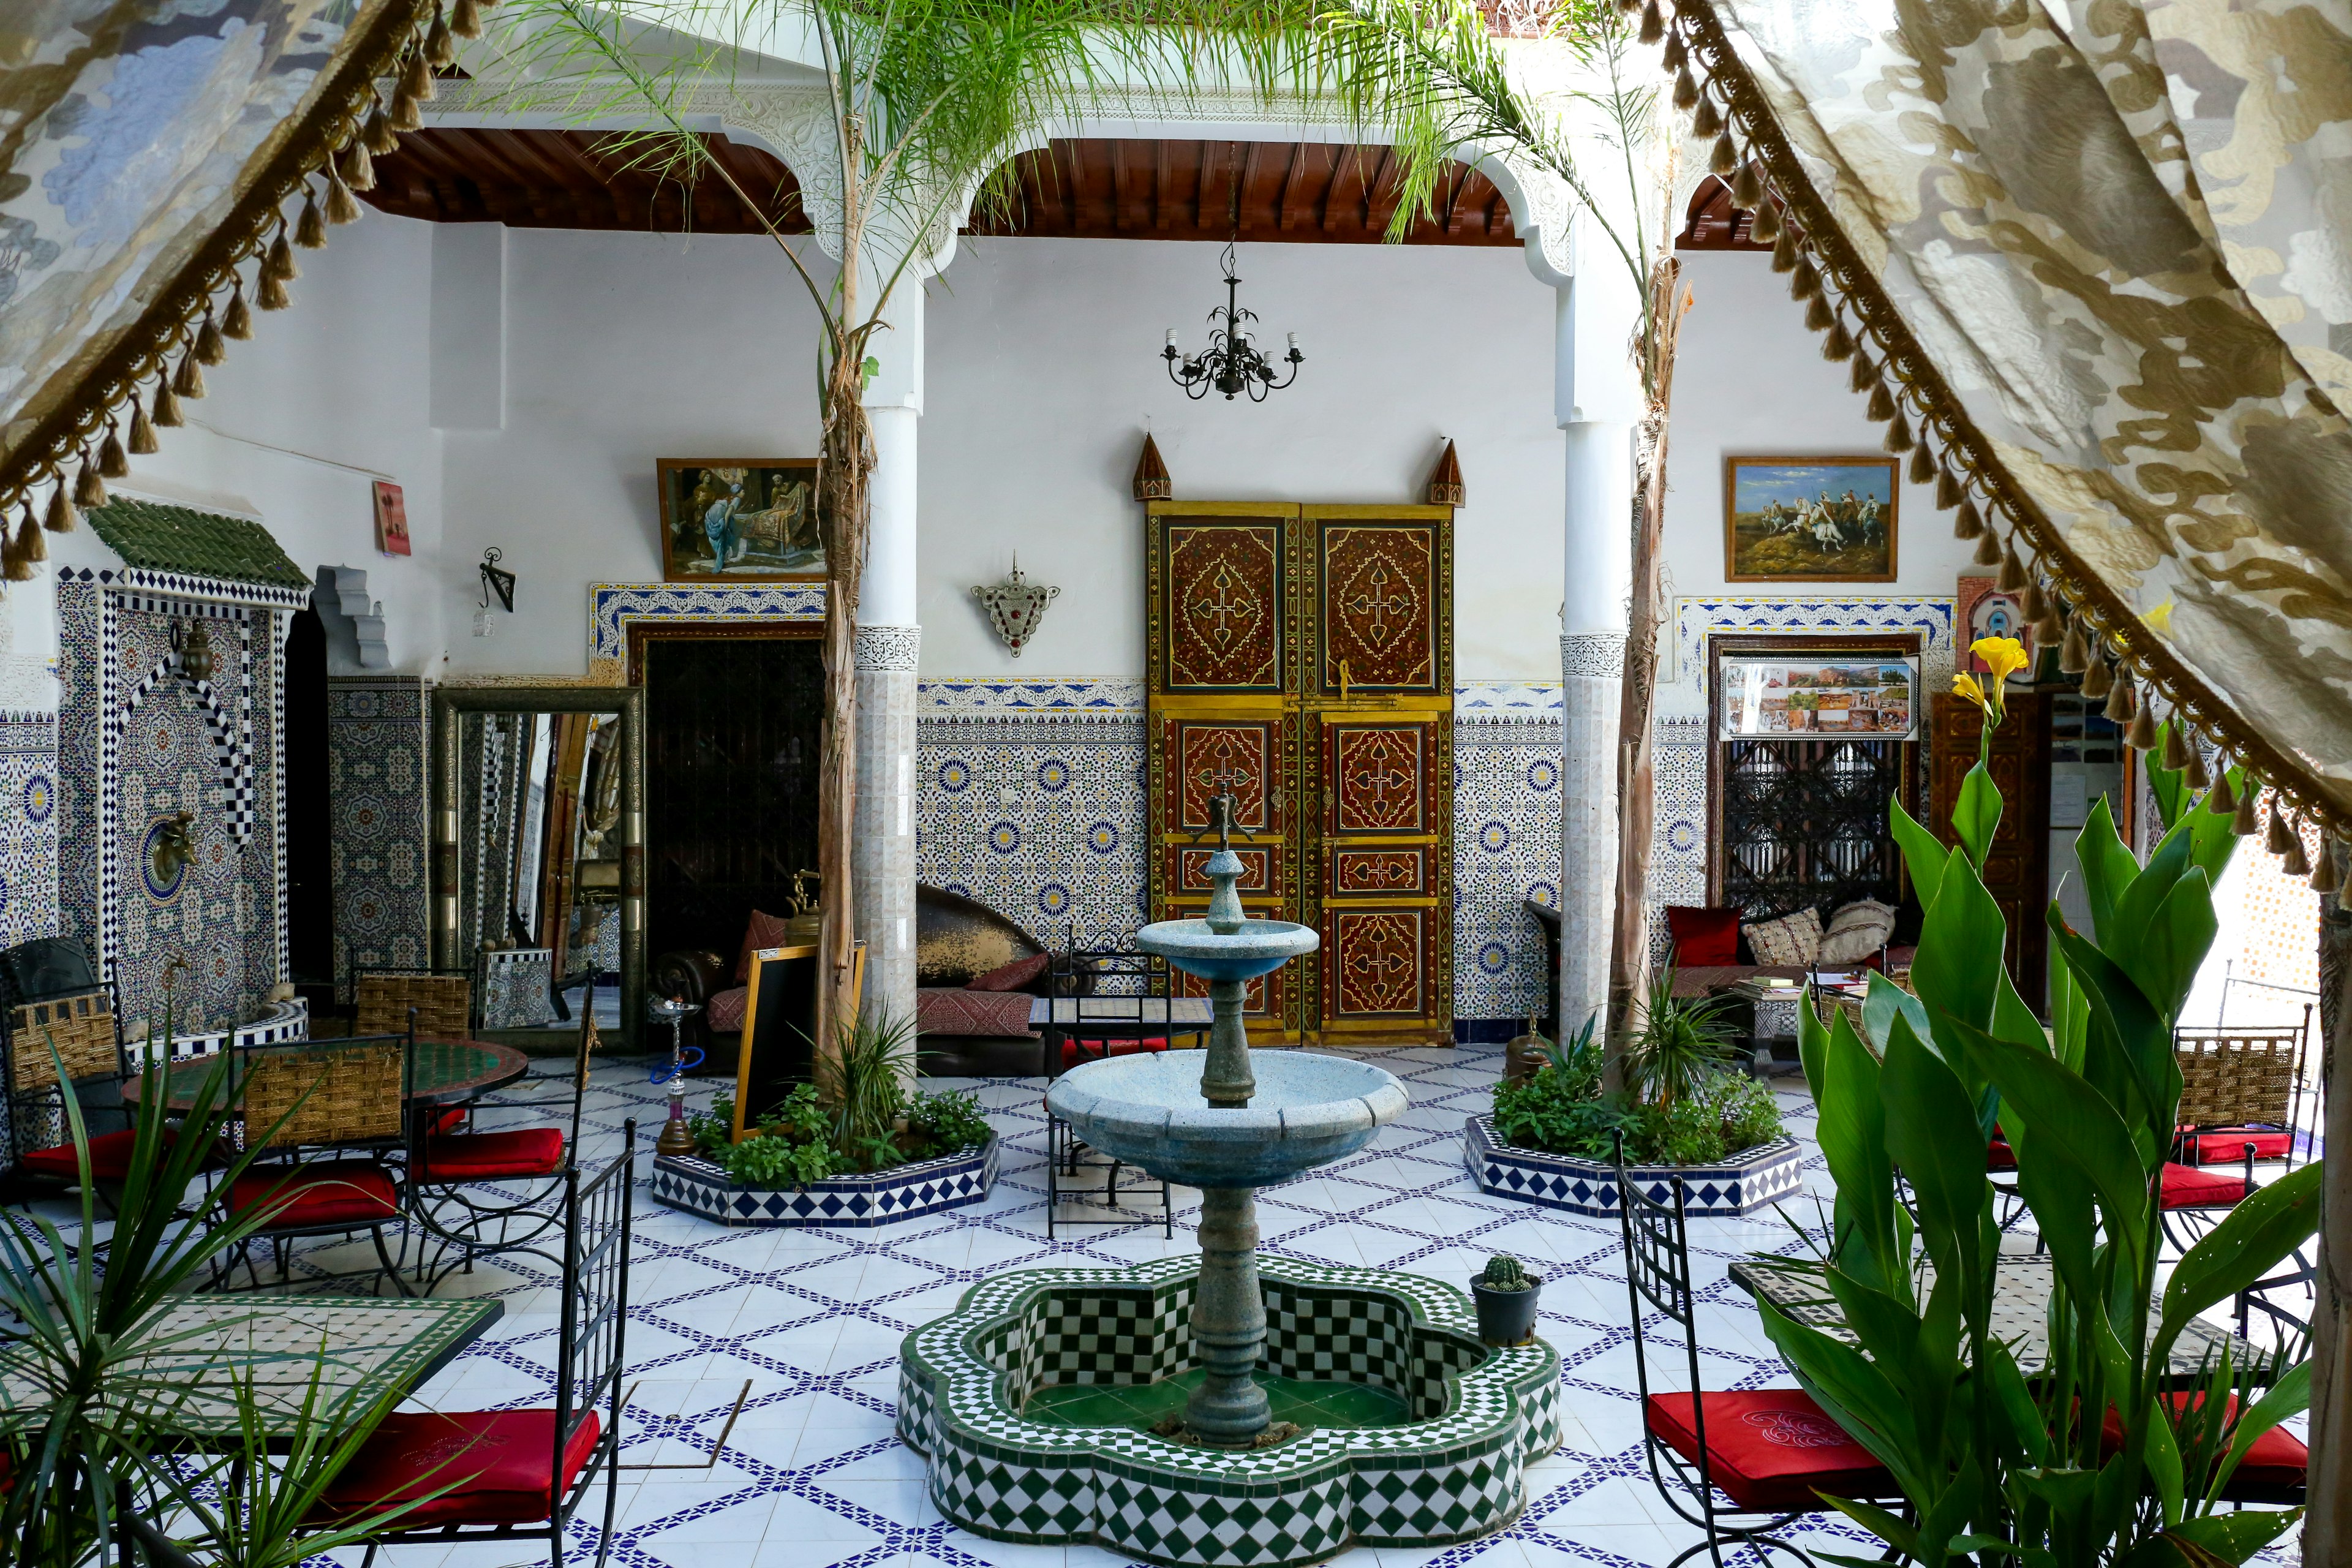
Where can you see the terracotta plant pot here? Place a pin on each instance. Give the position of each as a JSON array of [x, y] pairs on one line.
[[1506, 1317]]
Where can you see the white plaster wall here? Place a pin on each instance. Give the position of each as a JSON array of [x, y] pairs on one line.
[[328, 397], [1045, 371], [1750, 379]]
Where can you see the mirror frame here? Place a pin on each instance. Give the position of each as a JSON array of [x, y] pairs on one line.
[[449, 704]]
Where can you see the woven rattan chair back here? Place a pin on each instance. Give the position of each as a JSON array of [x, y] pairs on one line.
[[324, 1092], [82, 1030], [443, 1002], [2238, 1078]]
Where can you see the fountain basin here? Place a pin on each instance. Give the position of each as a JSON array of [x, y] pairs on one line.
[[1308, 1111], [1258, 948], [1454, 1468]]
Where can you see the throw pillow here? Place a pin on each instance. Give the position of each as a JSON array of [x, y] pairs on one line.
[[1011, 976], [1857, 931], [1704, 936], [1792, 940], [764, 930]]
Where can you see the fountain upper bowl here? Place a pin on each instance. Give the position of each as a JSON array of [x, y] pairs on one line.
[[1309, 1109], [1260, 946]]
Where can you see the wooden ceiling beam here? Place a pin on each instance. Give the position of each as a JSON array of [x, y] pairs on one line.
[[1344, 206], [1251, 172]]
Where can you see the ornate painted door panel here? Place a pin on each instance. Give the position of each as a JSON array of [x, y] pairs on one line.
[[1222, 615], [1379, 769], [1302, 657]]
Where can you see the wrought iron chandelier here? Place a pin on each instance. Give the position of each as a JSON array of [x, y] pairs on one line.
[[1231, 363]]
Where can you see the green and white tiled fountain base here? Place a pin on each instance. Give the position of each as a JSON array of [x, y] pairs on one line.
[[1453, 1470]]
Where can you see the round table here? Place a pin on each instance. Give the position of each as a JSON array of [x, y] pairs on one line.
[[447, 1071]]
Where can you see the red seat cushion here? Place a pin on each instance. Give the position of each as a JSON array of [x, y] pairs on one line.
[[499, 1462], [2187, 1187], [490, 1156], [2227, 1146], [2278, 1457], [1770, 1449], [2000, 1156], [109, 1158], [449, 1119], [1703, 935], [1095, 1050], [337, 1192]]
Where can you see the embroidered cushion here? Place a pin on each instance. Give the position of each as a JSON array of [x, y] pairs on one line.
[[2277, 1459], [1857, 931], [501, 1464], [1704, 936], [1013, 976], [951, 1010], [2187, 1187], [764, 930], [1792, 938], [725, 1011], [1769, 1448]]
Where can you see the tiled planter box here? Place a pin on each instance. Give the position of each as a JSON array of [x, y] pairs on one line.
[[1741, 1186], [904, 1192], [1454, 1471]]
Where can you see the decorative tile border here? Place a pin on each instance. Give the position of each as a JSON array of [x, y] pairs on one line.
[[281, 1021], [614, 607], [1738, 1186], [857, 1202], [1114, 695], [1696, 619], [1454, 1473]]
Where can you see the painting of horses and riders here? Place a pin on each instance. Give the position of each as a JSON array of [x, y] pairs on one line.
[[1809, 519], [738, 519]]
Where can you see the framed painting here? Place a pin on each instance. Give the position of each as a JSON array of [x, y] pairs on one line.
[[743, 520], [1809, 519], [1876, 695]]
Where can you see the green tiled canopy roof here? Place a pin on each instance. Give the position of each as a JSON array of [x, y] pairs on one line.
[[159, 538]]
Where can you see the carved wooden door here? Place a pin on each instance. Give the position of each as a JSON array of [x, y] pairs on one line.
[[1302, 656], [2016, 864]]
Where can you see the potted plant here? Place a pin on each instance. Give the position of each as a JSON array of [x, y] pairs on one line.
[[1507, 1295]]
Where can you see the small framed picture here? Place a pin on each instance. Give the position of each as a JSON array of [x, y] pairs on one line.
[[1984, 610], [1874, 695], [390, 518], [741, 520], [1809, 519]]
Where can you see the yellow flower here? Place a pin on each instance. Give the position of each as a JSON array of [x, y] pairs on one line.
[[2003, 655], [1965, 686]]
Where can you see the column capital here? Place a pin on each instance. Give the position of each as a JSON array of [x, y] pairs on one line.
[[1594, 656], [900, 648]]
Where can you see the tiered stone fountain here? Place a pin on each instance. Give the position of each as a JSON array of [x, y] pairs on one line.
[[1137, 1408]]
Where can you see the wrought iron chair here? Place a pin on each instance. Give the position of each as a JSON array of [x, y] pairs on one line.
[[85, 1029], [1110, 976], [1765, 1450], [430, 1002], [520, 1475], [442, 1166], [2241, 1095], [345, 1099]]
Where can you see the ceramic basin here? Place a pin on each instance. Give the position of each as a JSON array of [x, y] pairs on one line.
[[1308, 1111], [1260, 946]]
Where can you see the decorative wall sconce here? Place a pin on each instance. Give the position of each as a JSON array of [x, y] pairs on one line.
[[493, 581], [194, 647], [1014, 606]]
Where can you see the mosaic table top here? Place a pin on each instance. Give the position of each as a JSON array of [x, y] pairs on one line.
[[355, 1346], [2021, 1311]]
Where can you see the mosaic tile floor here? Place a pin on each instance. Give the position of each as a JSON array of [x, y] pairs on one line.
[[813, 1476]]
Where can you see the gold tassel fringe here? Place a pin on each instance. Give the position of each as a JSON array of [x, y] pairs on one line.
[[1723, 157], [2120, 705], [342, 207], [2176, 747], [1864, 375], [1804, 282], [2073, 654], [2280, 835], [1685, 87], [2218, 800], [2012, 577], [1988, 549], [2037, 603], [1881, 407], [88, 489], [416, 79], [1838, 344], [1673, 58], [190, 381], [404, 116], [1765, 223], [1819, 317], [1969, 522], [2327, 874], [2247, 820], [439, 48], [167, 405], [1897, 439], [2197, 775], [1653, 23], [1784, 251], [2294, 862], [209, 349], [377, 135], [2098, 678], [1948, 493], [1747, 189], [142, 432], [466, 19], [1923, 465], [1706, 119], [309, 229], [236, 321], [111, 463], [2140, 734]]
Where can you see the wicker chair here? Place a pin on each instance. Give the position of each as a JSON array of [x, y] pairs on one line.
[[443, 1001], [2240, 1090], [346, 1098], [86, 1031]]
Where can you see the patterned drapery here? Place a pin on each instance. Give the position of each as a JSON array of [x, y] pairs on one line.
[[2104, 249], [146, 150]]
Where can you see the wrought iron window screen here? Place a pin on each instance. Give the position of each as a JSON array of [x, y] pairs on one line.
[[1804, 824]]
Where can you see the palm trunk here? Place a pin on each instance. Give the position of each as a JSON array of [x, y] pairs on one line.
[[2327, 1528], [1629, 954], [846, 458]]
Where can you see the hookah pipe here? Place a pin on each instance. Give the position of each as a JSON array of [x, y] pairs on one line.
[[683, 1059]]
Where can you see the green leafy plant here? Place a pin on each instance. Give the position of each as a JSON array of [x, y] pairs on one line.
[[1682, 1107], [943, 1123], [864, 1082], [778, 1162], [1680, 1043], [1504, 1272], [1996, 1460]]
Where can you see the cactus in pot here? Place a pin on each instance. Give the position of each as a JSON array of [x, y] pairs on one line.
[[1507, 1298]]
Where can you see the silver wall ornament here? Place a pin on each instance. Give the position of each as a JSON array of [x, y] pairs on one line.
[[1015, 605]]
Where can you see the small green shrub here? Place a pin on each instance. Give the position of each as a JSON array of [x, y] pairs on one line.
[[943, 1123], [776, 1162], [1561, 1110]]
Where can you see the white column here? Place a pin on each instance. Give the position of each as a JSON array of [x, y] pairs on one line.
[[890, 641], [1595, 399]]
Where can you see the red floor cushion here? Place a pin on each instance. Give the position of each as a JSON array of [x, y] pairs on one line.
[[499, 1462], [490, 1156], [335, 1192], [2278, 1458], [1771, 1450], [2187, 1187], [2227, 1145], [110, 1159]]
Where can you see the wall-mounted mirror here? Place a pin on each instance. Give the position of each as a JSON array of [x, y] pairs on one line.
[[539, 880]]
